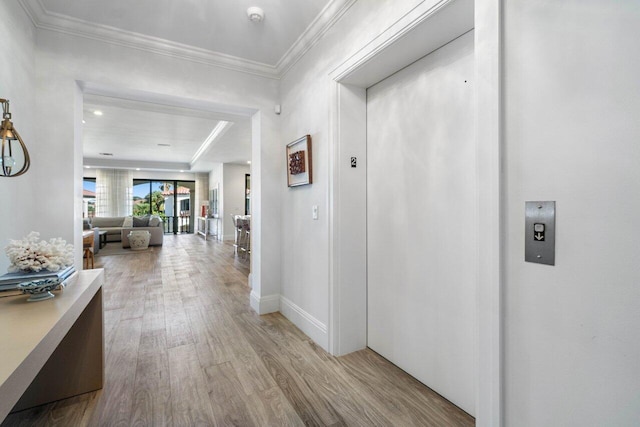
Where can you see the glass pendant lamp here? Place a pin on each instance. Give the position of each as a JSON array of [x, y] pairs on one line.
[[10, 148]]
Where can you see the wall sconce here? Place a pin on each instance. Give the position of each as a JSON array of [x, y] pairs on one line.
[[9, 134]]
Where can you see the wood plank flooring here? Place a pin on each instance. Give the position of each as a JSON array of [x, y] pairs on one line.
[[183, 348]]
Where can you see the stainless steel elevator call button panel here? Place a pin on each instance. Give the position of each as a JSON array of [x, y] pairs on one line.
[[540, 232]]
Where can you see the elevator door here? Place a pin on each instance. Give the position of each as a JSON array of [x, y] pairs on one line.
[[422, 219]]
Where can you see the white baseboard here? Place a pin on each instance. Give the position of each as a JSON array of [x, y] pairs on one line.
[[266, 304], [315, 329]]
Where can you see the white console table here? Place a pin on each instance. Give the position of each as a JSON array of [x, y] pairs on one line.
[[207, 226], [53, 349]]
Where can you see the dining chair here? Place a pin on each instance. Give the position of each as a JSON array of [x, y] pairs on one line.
[[88, 246]]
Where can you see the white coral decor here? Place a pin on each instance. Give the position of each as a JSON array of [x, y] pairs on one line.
[[33, 254]]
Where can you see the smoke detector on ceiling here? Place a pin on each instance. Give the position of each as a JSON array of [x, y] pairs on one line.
[[255, 14]]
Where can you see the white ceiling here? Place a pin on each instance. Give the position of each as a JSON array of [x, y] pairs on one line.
[[214, 31], [136, 134], [216, 25]]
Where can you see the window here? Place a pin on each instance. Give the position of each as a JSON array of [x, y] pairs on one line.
[[184, 205], [88, 197]]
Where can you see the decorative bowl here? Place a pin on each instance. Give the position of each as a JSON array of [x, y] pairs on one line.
[[39, 290]]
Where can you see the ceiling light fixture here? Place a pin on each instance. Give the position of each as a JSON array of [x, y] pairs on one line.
[[255, 14], [248, 162], [9, 134], [97, 112]]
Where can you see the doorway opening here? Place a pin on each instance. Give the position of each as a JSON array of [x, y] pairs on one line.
[[421, 190], [420, 32]]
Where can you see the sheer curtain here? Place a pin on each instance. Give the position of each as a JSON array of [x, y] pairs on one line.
[[114, 192]]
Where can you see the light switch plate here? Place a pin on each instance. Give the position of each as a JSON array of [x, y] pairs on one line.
[[540, 232], [314, 212]]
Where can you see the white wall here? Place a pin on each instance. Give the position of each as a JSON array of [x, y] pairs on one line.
[[232, 193], [572, 335], [571, 345], [215, 181], [230, 181], [62, 60], [201, 193], [305, 96], [20, 195], [215, 175]]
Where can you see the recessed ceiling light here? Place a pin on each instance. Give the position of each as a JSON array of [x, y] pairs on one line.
[[106, 154], [97, 112], [248, 162], [255, 14], [87, 167], [137, 169], [181, 171], [83, 122]]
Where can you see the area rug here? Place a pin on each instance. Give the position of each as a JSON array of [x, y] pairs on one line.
[[115, 248]]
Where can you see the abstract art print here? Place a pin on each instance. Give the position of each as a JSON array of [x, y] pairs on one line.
[[299, 162]]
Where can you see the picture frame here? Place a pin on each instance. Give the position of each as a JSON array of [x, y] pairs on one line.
[[213, 202], [299, 164]]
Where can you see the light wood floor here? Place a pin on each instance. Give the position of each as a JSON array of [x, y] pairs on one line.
[[183, 348]]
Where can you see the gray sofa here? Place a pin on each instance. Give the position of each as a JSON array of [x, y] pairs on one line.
[[118, 231]]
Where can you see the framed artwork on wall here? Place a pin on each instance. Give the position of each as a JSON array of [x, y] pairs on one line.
[[299, 166], [213, 202]]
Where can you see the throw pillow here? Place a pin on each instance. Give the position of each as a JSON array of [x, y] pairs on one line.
[[128, 222], [154, 221], [140, 221]]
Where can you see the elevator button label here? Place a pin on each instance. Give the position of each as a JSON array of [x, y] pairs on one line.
[[540, 232]]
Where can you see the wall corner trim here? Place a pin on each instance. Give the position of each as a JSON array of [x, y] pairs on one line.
[[264, 305], [315, 329]]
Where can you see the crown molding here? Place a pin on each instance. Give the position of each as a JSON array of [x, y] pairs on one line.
[[29, 9], [331, 13], [411, 40], [46, 20]]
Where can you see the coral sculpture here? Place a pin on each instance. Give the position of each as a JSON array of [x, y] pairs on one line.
[[33, 254]]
